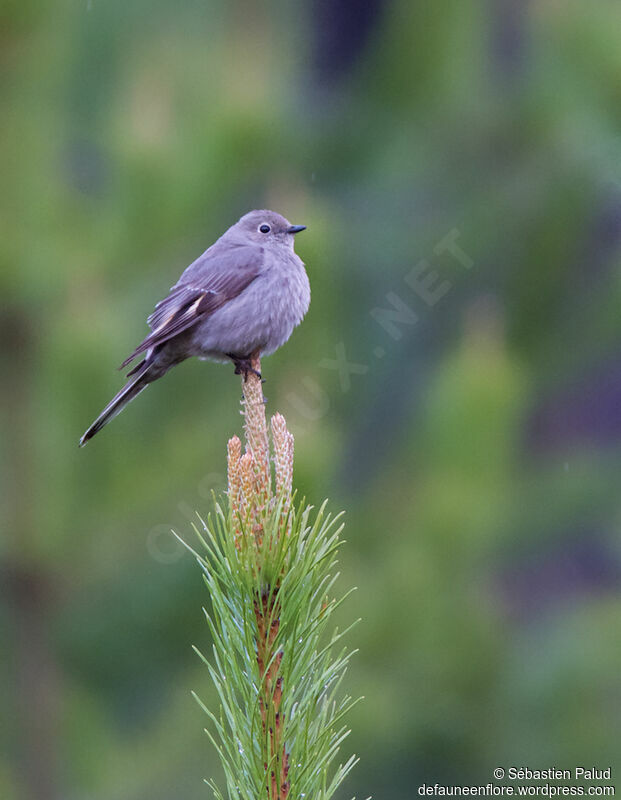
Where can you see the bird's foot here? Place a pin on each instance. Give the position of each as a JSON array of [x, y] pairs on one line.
[[243, 366]]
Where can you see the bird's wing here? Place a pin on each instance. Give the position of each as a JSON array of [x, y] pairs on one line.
[[211, 281]]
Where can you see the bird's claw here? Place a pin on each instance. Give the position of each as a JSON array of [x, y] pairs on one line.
[[244, 367]]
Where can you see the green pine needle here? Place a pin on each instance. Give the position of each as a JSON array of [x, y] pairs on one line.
[[292, 575]]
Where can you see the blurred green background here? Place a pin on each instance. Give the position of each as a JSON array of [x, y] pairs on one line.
[[474, 435]]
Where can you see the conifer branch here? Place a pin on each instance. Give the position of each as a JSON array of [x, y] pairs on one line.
[[269, 569]]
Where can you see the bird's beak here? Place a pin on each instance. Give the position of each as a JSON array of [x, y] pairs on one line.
[[296, 228]]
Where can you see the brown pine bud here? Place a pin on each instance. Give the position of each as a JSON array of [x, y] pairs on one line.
[[233, 452]]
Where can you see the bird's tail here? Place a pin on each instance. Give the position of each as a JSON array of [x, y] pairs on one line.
[[117, 404]]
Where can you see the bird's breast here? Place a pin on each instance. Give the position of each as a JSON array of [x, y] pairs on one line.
[[262, 317]]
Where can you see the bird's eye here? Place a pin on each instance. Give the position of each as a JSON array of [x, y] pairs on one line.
[[264, 228]]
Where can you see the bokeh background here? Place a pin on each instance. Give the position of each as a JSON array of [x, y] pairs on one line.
[[470, 423]]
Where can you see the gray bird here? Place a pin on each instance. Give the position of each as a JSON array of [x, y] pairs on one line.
[[241, 299]]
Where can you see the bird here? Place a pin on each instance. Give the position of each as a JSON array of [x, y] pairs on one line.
[[241, 299]]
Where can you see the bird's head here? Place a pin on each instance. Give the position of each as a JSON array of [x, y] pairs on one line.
[[265, 227]]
